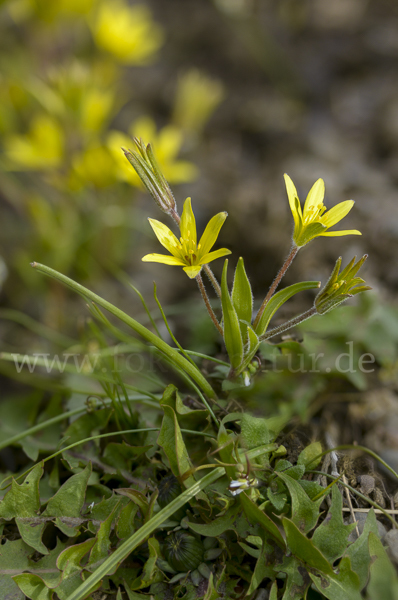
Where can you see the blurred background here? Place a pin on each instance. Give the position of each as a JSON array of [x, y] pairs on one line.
[[232, 94]]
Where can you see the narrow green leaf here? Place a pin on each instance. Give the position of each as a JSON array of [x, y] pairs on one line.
[[232, 335], [242, 297], [256, 515], [100, 550], [304, 549], [150, 337], [279, 299], [252, 346], [383, 581]]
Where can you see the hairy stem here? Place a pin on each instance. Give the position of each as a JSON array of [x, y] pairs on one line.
[[207, 302], [289, 324], [213, 280], [276, 282]]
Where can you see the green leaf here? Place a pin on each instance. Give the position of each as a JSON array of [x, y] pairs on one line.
[[22, 502], [256, 515], [33, 586], [172, 354], [305, 512], [264, 567], [304, 549], [67, 503], [242, 298], [219, 525], [232, 335], [171, 440], [150, 573], [256, 431], [125, 524], [101, 549], [121, 456], [14, 558], [252, 346], [332, 535], [279, 299], [297, 578], [358, 552], [343, 585], [309, 457], [69, 563], [274, 592], [383, 581]]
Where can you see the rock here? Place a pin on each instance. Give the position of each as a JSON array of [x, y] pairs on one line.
[[391, 539], [361, 518]]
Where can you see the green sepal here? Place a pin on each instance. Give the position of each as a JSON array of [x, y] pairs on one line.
[[242, 297], [308, 233], [232, 335], [279, 299]]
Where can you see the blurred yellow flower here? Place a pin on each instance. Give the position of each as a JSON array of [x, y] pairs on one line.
[[127, 32], [94, 166], [197, 97], [166, 143], [185, 252], [313, 221], [42, 148]]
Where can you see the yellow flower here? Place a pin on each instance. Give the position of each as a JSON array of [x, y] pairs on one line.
[[313, 221], [185, 252]]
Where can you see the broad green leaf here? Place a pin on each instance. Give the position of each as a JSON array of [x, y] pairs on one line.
[[297, 578], [137, 497], [67, 503], [343, 585], [218, 525], [69, 563], [125, 524], [332, 535], [309, 457], [22, 502], [232, 335], [304, 549], [279, 299], [305, 512], [242, 297], [121, 456], [383, 581], [14, 558], [33, 586], [255, 515], [256, 431], [358, 552]]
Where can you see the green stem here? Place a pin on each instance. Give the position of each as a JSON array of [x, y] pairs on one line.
[[276, 282], [208, 305], [289, 324], [213, 280], [150, 337]]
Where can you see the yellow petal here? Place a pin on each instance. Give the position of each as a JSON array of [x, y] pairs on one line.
[[315, 196], [192, 271], [213, 255], [340, 233], [188, 223], [293, 200], [163, 258], [211, 232], [338, 212], [165, 236]]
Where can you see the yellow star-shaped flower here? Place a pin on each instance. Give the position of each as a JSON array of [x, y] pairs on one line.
[[313, 221], [186, 252]]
